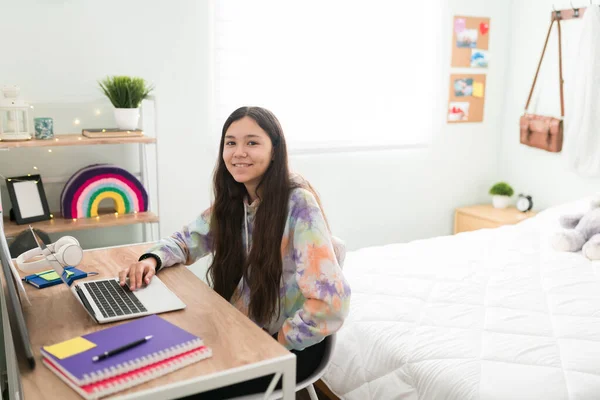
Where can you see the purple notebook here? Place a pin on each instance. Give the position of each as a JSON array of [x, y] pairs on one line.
[[168, 340]]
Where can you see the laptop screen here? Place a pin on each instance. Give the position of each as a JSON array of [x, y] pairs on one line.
[[15, 310], [54, 262]]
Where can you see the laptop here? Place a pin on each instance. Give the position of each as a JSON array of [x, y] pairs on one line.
[[107, 301]]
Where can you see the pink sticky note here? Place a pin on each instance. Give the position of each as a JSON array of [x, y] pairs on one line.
[[460, 24]]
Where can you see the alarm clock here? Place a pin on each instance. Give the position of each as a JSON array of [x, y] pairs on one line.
[[524, 203]]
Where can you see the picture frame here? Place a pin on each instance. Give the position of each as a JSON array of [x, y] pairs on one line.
[[28, 199]]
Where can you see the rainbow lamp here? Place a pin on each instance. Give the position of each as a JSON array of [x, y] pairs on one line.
[[84, 191]]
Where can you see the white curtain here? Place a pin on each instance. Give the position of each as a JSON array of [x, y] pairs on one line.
[[582, 119]]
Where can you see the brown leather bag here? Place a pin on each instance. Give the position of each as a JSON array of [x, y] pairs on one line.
[[544, 132]]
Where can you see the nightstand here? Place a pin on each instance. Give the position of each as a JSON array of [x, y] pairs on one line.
[[486, 216]]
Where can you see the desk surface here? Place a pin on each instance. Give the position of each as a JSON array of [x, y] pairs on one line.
[[55, 315]]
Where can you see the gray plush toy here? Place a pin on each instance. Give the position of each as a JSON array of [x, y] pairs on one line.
[[583, 232]]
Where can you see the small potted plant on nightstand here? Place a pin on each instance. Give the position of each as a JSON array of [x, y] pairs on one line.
[[501, 193], [126, 94]]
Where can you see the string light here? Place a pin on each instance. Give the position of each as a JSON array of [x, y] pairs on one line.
[[76, 121], [34, 167], [51, 215], [49, 150], [74, 219], [97, 112]]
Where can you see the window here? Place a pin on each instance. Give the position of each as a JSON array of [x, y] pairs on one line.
[[336, 74]]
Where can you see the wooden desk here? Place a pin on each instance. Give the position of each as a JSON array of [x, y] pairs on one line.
[[241, 350]]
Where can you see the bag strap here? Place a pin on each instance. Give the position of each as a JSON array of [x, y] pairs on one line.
[[562, 102]]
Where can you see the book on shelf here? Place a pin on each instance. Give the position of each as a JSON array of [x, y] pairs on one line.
[[169, 349], [111, 133]]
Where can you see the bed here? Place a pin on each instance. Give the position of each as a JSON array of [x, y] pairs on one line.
[[489, 314]]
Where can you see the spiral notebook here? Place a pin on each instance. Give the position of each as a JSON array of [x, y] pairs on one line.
[[124, 381], [73, 358]]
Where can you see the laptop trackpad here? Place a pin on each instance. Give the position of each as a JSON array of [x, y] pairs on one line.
[[156, 297]]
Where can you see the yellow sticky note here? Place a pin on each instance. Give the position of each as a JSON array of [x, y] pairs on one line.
[[477, 89], [52, 275], [69, 347], [49, 276]]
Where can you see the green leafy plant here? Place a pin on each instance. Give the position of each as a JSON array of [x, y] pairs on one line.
[[125, 91], [502, 189]]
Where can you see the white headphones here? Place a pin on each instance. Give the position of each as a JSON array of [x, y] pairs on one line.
[[66, 250]]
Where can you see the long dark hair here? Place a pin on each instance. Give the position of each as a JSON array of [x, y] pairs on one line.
[[262, 268]]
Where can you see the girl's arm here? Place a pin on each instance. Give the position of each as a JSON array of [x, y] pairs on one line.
[[319, 277], [186, 246]]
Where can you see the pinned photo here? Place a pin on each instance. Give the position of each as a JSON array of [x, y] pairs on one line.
[[458, 111], [480, 58], [460, 24], [463, 87], [467, 38]]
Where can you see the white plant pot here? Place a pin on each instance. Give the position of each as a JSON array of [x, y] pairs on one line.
[[500, 201], [127, 118]]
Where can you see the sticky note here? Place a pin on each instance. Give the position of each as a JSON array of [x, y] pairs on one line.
[[69, 347], [477, 89], [460, 24], [49, 276], [52, 275]]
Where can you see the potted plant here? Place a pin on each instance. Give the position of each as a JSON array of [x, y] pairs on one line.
[[126, 94], [501, 193]]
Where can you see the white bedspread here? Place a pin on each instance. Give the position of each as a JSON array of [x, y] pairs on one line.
[[490, 314]]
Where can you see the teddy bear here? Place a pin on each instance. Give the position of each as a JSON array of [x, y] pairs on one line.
[[582, 232]]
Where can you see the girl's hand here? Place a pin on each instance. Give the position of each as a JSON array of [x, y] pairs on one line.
[[140, 273]]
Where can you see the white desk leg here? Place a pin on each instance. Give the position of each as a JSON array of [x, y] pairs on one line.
[[272, 386], [289, 379]]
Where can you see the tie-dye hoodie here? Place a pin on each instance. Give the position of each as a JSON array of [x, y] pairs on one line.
[[315, 297]]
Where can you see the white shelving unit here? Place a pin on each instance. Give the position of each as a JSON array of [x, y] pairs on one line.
[[107, 218]]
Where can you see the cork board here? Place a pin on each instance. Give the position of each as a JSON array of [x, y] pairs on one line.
[[466, 98], [470, 42]]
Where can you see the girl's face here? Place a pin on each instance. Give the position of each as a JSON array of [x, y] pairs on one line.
[[247, 152]]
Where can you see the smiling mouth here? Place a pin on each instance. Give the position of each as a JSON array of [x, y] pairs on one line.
[[240, 165]]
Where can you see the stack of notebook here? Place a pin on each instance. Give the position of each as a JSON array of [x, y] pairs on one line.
[[169, 349]]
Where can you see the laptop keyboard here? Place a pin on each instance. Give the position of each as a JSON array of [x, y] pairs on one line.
[[113, 300]]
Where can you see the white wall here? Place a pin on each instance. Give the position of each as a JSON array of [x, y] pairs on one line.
[[546, 176], [371, 197]]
